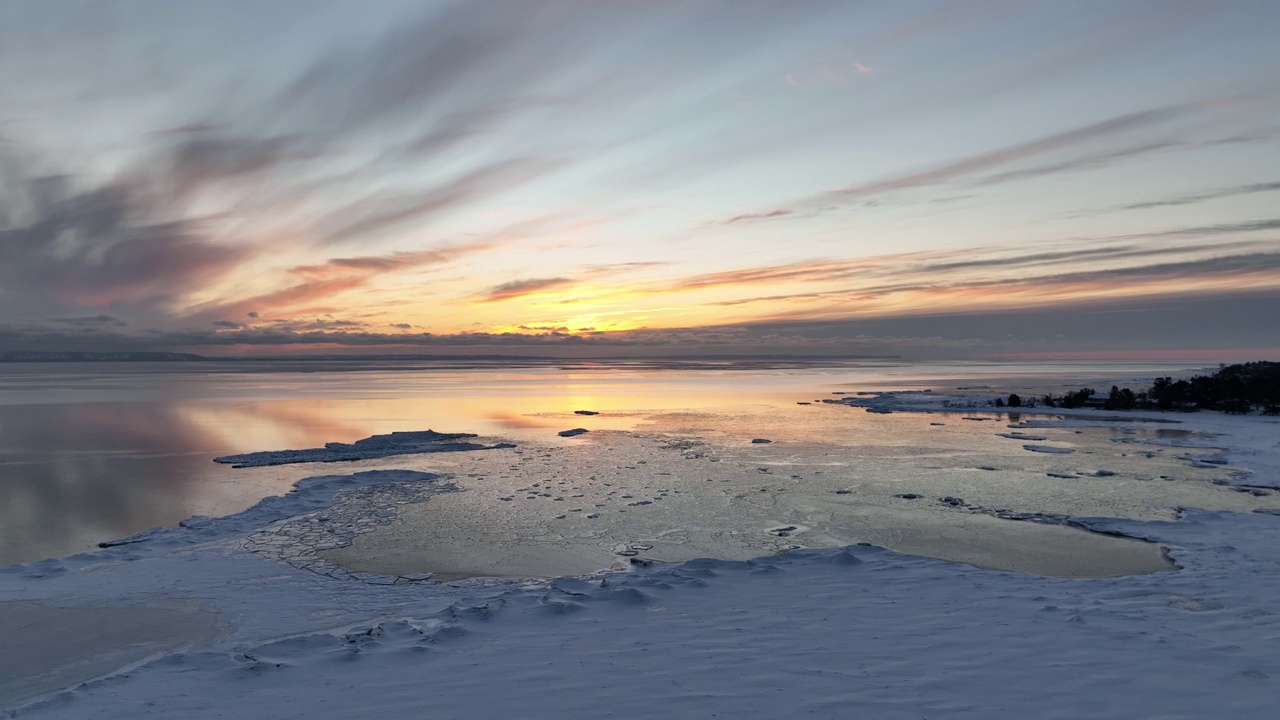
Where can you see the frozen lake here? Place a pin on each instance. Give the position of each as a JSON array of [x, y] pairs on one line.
[[91, 453], [324, 598]]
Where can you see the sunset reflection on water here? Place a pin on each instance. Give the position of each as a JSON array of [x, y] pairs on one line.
[[89, 454]]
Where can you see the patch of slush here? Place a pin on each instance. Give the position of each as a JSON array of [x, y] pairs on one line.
[[691, 484], [309, 498], [548, 511]]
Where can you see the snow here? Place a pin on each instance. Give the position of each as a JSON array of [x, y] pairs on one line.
[[1255, 440], [396, 443], [850, 632]]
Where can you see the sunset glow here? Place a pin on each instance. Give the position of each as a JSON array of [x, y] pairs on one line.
[[507, 177]]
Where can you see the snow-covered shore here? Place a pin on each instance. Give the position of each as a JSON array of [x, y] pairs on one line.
[[1253, 439], [858, 631]]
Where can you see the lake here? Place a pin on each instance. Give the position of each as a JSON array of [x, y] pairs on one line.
[[93, 452]]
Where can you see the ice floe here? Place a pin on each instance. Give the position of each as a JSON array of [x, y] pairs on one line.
[[377, 446]]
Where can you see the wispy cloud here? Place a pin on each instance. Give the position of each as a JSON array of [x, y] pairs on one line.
[[521, 288], [1085, 162], [979, 162], [317, 287], [98, 321], [1248, 226], [100, 247], [1189, 199], [379, 213], [990, 276], [777, 212], [1011, 153]]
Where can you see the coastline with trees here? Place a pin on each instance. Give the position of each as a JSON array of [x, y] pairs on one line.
[[1236, 389]]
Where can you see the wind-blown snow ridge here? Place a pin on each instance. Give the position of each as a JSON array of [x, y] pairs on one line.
[[396, 443]]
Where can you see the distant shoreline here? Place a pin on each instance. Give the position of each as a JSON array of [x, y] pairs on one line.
[[12, 357], [40, 356]]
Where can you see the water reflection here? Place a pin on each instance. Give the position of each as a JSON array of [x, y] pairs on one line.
[[94, 452], [74, 475], [87, 457]]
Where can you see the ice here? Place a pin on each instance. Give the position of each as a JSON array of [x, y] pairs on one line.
[[1021, 436], [1052, 449], [837, 632], [377, 446], [813, 632]]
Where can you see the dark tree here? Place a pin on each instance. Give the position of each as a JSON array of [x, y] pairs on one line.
[[1121, 399], [1078, 398]]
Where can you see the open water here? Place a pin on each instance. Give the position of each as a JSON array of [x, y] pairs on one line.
[[93, 452]]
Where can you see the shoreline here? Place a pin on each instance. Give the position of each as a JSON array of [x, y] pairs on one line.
[[933, 610]]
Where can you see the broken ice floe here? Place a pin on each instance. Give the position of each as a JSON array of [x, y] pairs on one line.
[[377, 493], [377, 446], [299, 540], [1021, 436]]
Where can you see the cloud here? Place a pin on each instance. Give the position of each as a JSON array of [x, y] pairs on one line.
[[807, 271], [1085, 162], [1076, 255], [185, 129], [521, 288], [1190, 199], [469, 58], [616, 268], [1252, 271], [1227, 319], [778, 212], [201, 159], [92, 321], [317, 286], [992, 277], [372, 215], [99, 247], [1222, 320], [1012, 153], [1220, 229], [985, 161]]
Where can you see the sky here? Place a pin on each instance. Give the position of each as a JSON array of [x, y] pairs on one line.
[[929, 180]]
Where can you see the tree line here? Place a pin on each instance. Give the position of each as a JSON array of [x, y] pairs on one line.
[[1233, 389]]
